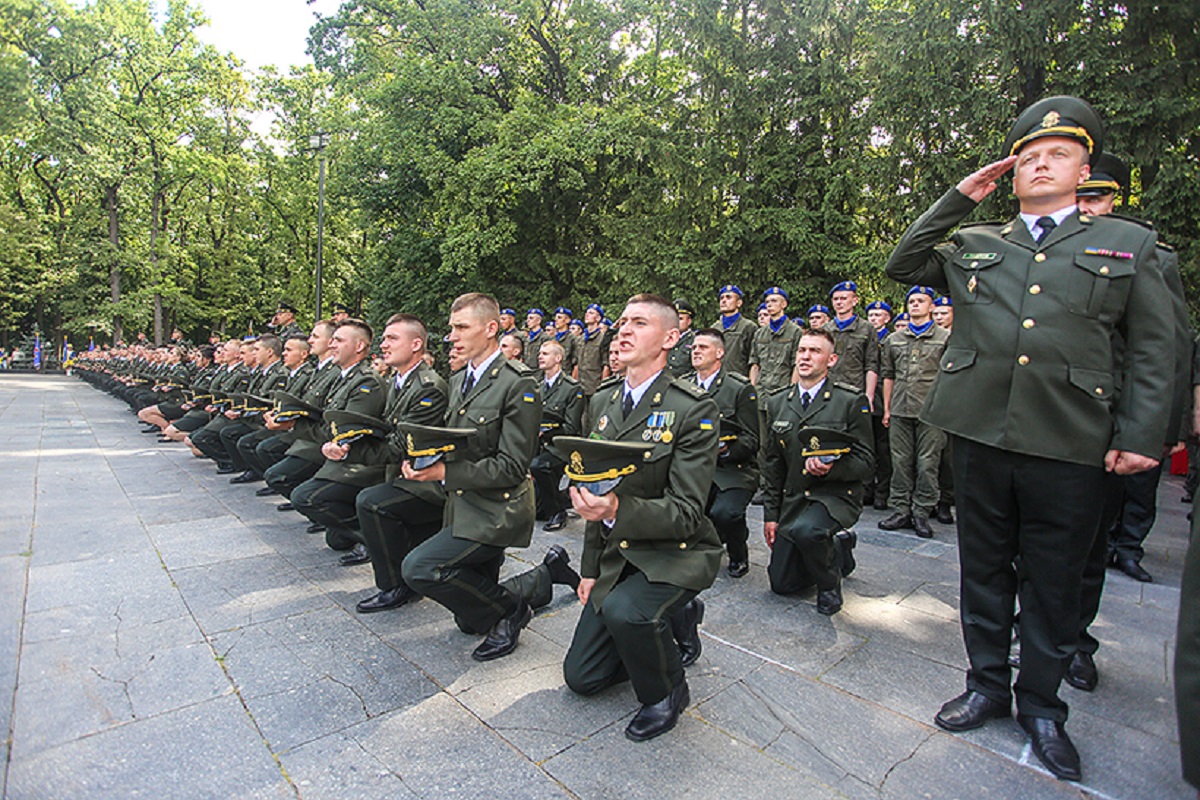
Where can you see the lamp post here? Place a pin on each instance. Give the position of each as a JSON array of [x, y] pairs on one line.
[[317, 142]]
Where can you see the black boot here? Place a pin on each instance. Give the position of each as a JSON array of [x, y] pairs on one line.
[[685, 629]]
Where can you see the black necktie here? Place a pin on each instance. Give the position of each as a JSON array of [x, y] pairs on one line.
[[1047, 224], [805, 400], [627, 405], [468, 382], [549, 386]]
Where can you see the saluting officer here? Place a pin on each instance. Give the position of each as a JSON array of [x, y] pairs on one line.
[[1026, 391], [736, 476], [813, 495], [648, 549]]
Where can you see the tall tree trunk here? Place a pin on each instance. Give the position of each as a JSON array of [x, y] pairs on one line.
[[155, 220], [114, 272]]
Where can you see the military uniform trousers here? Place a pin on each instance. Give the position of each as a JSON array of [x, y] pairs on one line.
[[946, 474], [805, 553], [727, 510], [208, 439], [628, 638], [463, 576], [1097, 560], [289, 473], [1137, 515], [230, 436], [547, 472], [392, 522], [331, 504], [1046, 512], [1187, 657], [262, 449], [916, 456], [192, 421], [881, 485]]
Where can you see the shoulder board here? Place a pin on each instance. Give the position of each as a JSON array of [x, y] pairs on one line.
[[688, 388], [517, 366], [1164, 246], [427, 377], [1144, 223], [845, 387], [611, 380], [780, 390], [984, 222], [688, 376], [737, 376]]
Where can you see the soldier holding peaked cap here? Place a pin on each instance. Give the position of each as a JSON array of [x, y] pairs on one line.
[[648, 548], [1026, 391]]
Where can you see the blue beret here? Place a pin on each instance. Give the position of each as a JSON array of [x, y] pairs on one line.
[[775, 290], [800, 320], [928, 290], [563, 310], [844, 286], [576, 323], [509, 311], [879, 305], [729, 287], [902, 316], [762, 306], [607, 322], [944, 300], [537, 311], [818, 308], [599, 309]]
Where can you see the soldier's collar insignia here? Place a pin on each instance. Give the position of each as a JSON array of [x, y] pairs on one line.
[[657, 398]]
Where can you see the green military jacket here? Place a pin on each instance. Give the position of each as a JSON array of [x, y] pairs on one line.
[[291, 331], [490, 493], [237, 379], [1029, 366], [913, 362], [660, 526], [570, 346], [739, 339], [789, 488], [562, 408], [305, 434], [361, 392], [679, 357], [593, 357], [737, 400], [533, 344], [265, 384], [775, 354], [298, 380], [422, 400], [857, 349]]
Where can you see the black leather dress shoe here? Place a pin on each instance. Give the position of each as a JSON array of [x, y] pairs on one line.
[[685, 629], [1134, 570], [502, 639], [658, 718], [556, 522], [315, 528], [249, 476], [152, 429], [392, 598], [1187, 498], [846, 540], [942, 514], [558, 561], [1082, 673], [829, 601], [921, 527], [897, 521], [285, 507], [880, 503], [968, 711], [738, 569], [1052, 746], [226, 469], [356, 555], [264, 491]]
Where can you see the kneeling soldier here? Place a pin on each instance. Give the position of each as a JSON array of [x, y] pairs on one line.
[[818, 453]]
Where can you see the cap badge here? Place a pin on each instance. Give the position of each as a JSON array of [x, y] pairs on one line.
[[576, 462], [1051, 119]]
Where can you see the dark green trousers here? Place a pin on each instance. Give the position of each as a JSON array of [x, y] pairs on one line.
[[289, 473], [331, 504], [628, 638], [917, 449], [1187, 657], [393, 522], [805, 553], [461, 575]]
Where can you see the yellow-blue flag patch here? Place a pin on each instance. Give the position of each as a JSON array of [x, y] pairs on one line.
[[706, 425], [528, 398]]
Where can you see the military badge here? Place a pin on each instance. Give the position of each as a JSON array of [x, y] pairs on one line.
[[602, 423], [971, 284], [1051, 119]]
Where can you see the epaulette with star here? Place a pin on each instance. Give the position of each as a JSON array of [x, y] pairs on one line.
[[517, 366], [689, 388]]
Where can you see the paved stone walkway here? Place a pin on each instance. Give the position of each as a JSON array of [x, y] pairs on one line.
[[166, 634]]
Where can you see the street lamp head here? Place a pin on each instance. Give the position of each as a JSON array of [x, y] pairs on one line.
[[318, 141]]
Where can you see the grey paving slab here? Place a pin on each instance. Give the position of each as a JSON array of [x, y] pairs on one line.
[[178, 631]]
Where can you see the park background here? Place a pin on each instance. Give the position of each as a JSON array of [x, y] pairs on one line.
[[547, 152]]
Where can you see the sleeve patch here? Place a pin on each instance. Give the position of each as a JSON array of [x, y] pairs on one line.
[[425, 402], [706, 425], [528, 398], [365, 389]]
